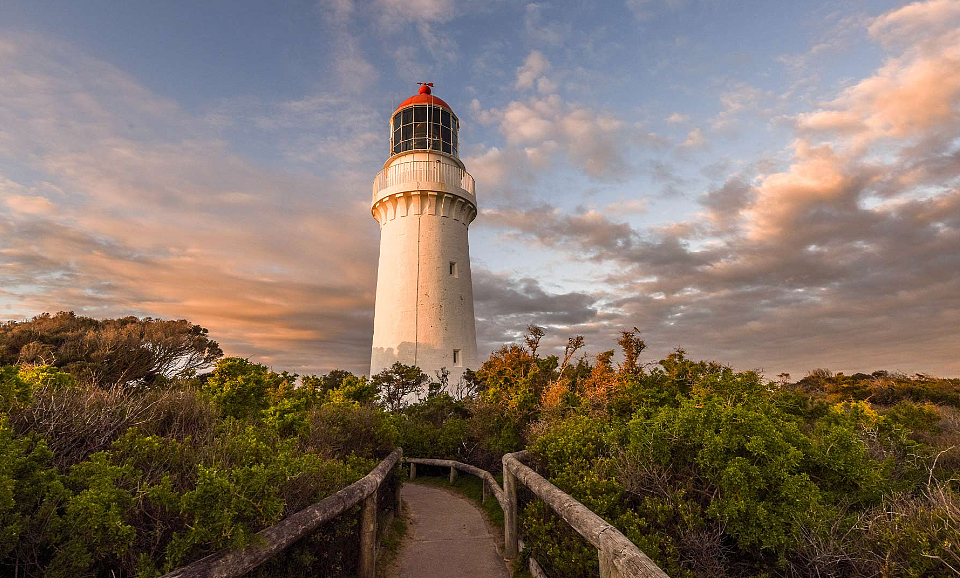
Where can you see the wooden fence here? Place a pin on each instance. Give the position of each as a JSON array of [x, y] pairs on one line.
[[269, 542], [618, 556]]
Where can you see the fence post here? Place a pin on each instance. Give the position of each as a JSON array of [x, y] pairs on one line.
[[398, 483], [510, 537], [453, 474], [607, 569], [486, 490], [413, 471], [368, 537]]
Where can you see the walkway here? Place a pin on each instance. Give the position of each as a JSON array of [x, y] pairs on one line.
[[446, 536]]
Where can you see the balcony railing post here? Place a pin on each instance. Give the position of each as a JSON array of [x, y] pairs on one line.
[[368, 537], [453, 475], [511, 544], [413, 471], [486, 490]]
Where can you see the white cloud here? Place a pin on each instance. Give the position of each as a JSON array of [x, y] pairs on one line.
[[532, 70], [677, 118], [695, 139]]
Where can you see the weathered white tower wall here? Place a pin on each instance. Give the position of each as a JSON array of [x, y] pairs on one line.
[[424, 201]]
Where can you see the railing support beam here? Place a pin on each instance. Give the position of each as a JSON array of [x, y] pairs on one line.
[[486, 491], [368, 537], [413, 471], [453, 475], [510, 536]]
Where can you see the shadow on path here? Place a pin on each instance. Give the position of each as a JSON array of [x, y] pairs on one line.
[[447, 537]]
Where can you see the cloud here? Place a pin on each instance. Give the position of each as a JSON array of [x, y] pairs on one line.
[[542, 32], [695, 139], [428, 11], [540, 127], [532, 70], [627, 207], [913, 95], [138, 208], [918, 21], [677, 118], [741, 98], [835, 256]]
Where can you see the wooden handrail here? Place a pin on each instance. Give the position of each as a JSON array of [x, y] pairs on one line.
[[490, 482], [271, 541], [619, 557]]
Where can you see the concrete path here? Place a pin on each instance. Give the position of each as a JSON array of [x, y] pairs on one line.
[[447, 536]]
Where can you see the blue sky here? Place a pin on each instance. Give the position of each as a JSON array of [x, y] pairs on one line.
[[772, 185]]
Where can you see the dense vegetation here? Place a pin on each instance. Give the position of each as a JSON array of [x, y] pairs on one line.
[[117, 461], [714, 472]]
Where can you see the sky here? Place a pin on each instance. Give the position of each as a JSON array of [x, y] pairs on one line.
[[770, 185]]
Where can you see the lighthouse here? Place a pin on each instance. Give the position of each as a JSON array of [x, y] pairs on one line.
[[424, 200]]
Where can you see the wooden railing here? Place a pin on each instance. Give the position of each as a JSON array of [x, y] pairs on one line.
[[618, 556], [273, 540]]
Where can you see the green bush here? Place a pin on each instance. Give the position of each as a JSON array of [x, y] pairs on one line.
[[141, 481]]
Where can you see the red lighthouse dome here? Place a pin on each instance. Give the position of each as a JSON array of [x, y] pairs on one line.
[[425, 96]]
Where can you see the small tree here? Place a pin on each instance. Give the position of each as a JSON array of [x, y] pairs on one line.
[[398, 382], [241, 388], [632, 346], [534, 334]]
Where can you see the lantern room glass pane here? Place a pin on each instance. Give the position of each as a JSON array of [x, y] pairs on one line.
[[424, 127]]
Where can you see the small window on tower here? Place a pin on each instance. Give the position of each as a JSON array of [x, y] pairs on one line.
[[453, 269], [457, 358]]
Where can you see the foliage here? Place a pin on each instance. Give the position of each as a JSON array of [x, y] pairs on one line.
[[138, 481], [709, 471], [397, 383], [712, 471], [109, 352]]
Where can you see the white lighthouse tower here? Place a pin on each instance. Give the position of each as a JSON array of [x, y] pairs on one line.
[[424, 200]]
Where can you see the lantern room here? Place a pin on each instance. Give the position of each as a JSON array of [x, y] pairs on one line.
[[424, 122]]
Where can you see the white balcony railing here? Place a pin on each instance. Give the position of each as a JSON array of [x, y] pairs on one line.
[[423, 171]]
